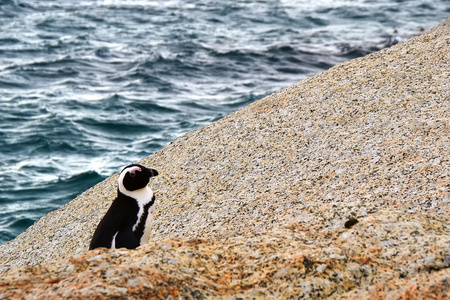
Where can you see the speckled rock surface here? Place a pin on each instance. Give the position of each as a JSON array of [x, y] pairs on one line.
[[297, 261], [335, 187]]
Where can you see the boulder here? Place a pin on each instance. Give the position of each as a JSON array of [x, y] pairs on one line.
[[337, 186]]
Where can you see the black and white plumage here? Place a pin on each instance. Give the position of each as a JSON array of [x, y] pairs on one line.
[[127, 222]]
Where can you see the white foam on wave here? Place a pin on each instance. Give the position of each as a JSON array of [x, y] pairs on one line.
[[144, 3]]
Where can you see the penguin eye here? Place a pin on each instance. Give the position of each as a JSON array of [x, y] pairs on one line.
[[132, 174]]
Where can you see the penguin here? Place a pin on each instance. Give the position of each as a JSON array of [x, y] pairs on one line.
[[127, 222]]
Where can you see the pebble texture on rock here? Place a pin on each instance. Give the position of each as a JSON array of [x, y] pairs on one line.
[[335, 187]]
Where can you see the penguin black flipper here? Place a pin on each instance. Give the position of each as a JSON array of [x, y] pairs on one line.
[[108, 227], [127, 239], [115, 230]]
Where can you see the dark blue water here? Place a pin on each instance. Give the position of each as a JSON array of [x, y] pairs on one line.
[[87, 87]]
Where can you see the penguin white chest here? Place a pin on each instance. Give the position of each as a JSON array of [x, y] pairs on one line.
[[148, 226], [143, 200]]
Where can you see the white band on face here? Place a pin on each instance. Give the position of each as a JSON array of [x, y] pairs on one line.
[[131, 170]]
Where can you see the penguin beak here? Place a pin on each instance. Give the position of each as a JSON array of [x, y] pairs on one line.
[[151, 172]]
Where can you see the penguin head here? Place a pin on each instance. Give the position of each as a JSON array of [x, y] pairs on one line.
[[135, 177]]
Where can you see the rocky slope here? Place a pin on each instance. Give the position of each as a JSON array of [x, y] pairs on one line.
[[335, 187]]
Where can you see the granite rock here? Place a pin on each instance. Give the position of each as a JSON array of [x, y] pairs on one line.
[[337, 186]]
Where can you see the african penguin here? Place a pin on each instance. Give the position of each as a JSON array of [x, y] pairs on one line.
[[127, 222]]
